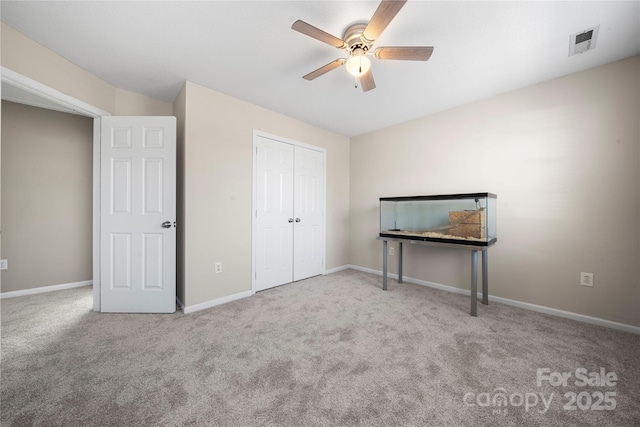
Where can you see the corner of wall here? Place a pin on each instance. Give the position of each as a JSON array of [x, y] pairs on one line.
[[134, 104], [179, 111]]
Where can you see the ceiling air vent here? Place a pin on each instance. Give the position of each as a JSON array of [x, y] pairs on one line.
[[583, 41]]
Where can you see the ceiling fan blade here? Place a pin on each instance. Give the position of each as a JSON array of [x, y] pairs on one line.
[[367, 82], [409, 53], [381, 18], [318, 34], [324, 69]]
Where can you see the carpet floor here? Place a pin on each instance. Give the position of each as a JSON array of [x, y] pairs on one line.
[[331, 350]]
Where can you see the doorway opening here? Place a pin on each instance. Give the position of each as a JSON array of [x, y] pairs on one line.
[[19, 88]]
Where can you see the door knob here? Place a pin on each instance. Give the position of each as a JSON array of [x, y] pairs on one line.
[[297, 219], [290, 220], [166, 224]]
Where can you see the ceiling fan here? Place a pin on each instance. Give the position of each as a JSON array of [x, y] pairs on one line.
[[358, 40]]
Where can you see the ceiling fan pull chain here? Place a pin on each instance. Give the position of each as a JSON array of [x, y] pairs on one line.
[[356, 86]]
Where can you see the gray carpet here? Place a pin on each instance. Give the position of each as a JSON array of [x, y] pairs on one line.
[[332, 350]]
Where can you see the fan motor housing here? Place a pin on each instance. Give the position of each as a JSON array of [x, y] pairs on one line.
[[353, 37]]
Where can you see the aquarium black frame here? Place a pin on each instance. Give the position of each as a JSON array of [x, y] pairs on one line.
[[438, 239], [441, 197]]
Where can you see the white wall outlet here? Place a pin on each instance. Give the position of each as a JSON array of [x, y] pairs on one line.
[[4, 264], [586, 279], [392, 251], [218, 267]]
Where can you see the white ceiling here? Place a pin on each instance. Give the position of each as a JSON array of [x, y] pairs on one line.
[[248, 50]]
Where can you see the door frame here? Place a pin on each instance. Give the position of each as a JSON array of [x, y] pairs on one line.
[[84, 109], [254, 196]]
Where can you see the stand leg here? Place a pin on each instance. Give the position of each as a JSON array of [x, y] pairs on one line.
[[474, 283], [384, 265], [485, 278], [400, 263]]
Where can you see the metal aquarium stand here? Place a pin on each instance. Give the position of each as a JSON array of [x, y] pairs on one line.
[[474, 265]]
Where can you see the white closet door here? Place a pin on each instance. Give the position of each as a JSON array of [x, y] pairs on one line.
[[274, 213], [309, 213]]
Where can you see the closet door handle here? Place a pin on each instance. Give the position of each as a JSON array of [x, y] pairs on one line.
[[166, 224], [297, 219], [290, 220]]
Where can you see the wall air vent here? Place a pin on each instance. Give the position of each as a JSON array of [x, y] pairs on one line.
[[583, 41]]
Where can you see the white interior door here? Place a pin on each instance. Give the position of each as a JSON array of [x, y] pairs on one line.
[[274, 213], [309, 213], [138, 213]]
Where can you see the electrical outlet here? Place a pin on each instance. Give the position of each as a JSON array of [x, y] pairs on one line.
[[392, 251], [4, 264], [586, 279], [218, 266]]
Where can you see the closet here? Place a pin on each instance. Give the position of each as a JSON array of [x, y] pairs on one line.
[[289, 211]]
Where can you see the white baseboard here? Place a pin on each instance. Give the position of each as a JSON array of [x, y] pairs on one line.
[[213, 303], [533, 307], [336, 269], [44, 289], [568, 315]]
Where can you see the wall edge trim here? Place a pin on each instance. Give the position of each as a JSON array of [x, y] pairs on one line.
[[43, 289], [336, 269], [33, 86], [597, 321], [186, 309]]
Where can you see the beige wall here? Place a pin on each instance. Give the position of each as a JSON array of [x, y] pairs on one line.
[[133, 104], [563, 158], [46, 197], [25, 56], [217, 189]]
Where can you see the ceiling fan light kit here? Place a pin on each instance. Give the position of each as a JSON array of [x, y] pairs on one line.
[[358, 63], [358, 40]]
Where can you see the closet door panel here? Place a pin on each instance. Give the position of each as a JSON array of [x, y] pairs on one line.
[[308, 251], [274, 213]]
